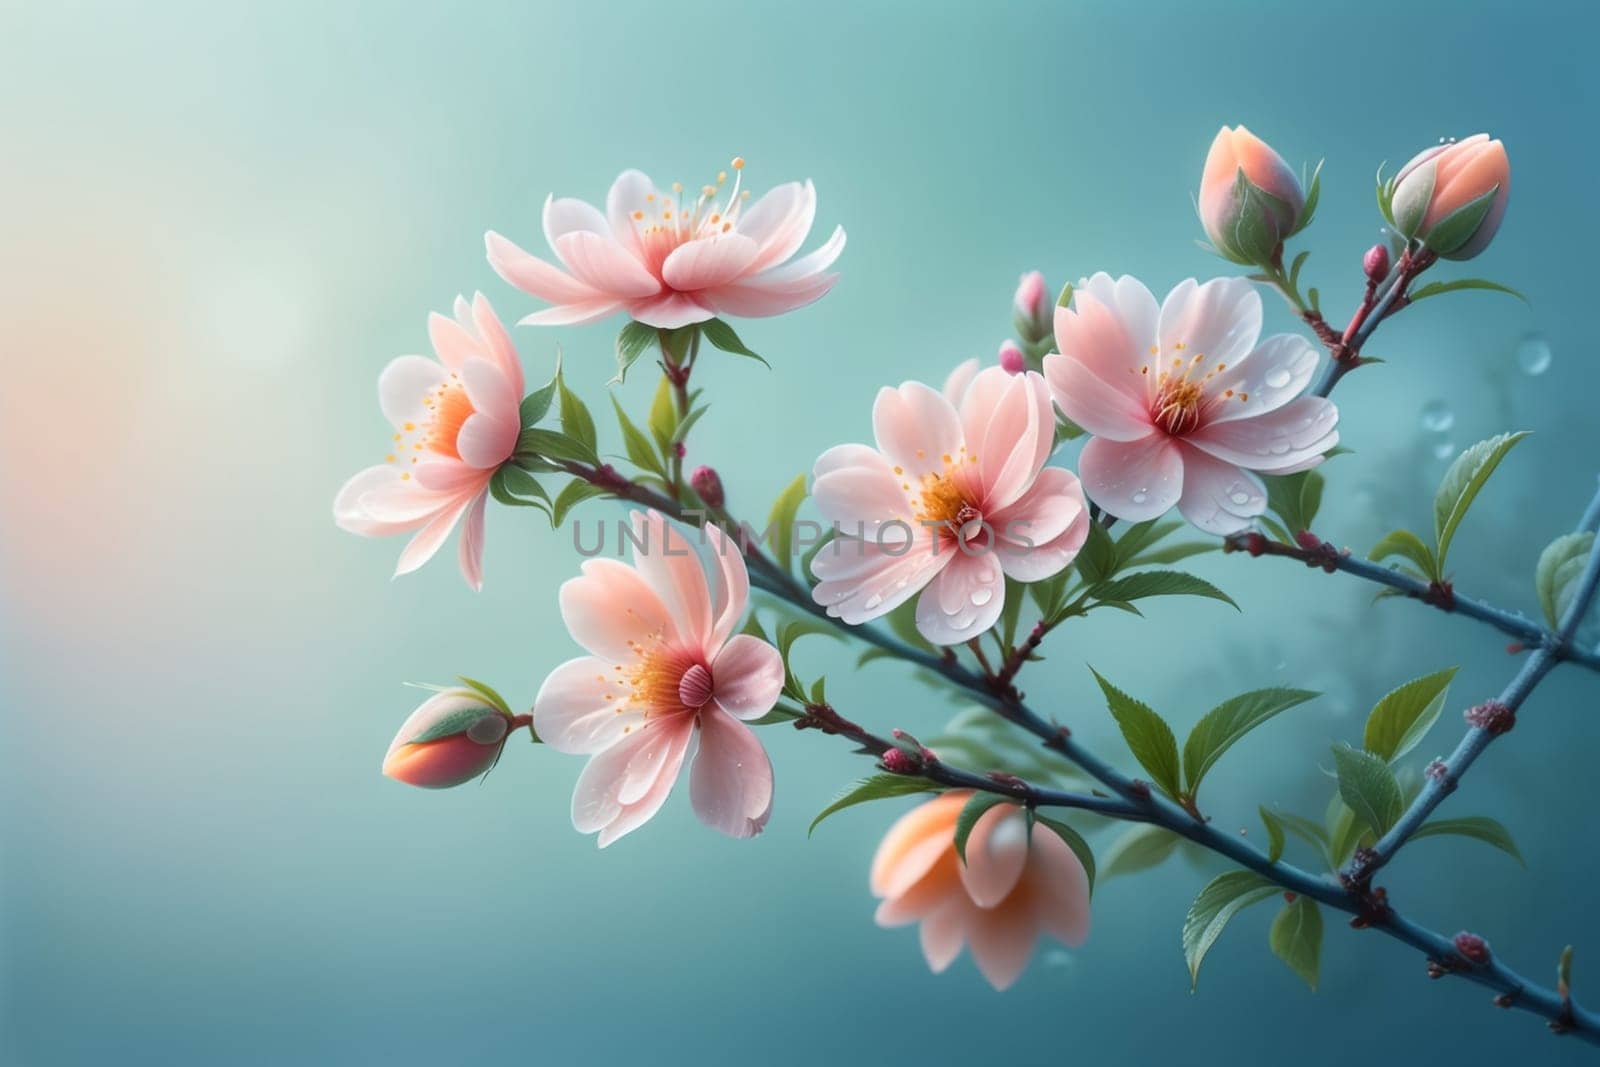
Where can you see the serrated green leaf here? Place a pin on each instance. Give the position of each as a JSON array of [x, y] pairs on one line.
[[1408, 545], [1462, 483], [1368, 787], [1097, 560], [1073, 840], [1560, 565], [780, 521], [572, 494], [1436, 288], [1344, 831], [1295, 498], [971, 812], [1479, 827], [724, 337], [1140, 847], [1400, 719], [1148, 736], [1223, 898], [1296, 938], [1169, 554], [1141, 535], [632, 342], [877, 787], [1050, 595], [1221, 727], [1133, 587]]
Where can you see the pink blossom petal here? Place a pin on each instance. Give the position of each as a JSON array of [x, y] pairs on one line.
[[863, 580], [629, 193], [955, 386], [446, 475], [748, 676], [964, 600], [1219, 319], [1059, 887], [1133, 480], [778, 222], [602, 264], [653, 759], [641, 811], [1219, 497], [596, 797], [469, 551], [573, 314], [670, 311], [404, 383], [926, 896], [1109, 328], [708, 262], [582, 707], [498, 342], [485, 441], [488, 389], [421, 548], [453, 344], [1110, 405], [1002, 942], [612, 611], [404, 501], [943, 934], [730, 784], [916, 428], [1290, 438], [914, 843], [733, 591], [534, 276], [669, 562], [1009, 426], [854, 484], [1275, 373], [564, 215], [349, 513], [802, 273], [1044, 531], [752, 300], [997, 852]]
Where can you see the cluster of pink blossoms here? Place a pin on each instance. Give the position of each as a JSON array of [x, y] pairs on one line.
[[1184, 403]]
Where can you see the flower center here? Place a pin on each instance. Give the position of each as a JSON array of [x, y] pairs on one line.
[[944, 501], [446, 408], [662, 223], [1177, 408], [666, 681], [694, 688], [1179, 389]]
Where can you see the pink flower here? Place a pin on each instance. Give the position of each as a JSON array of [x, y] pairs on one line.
[[453, 737], [1030, 308], [1013, 888], [1182, 402], [1249, 198], [955, 497], [1440, 181], [670, 262], [456, 420], [666, 671]]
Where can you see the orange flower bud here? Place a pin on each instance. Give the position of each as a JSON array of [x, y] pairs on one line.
[[1249, 198], [453, 737], [1452, 197]]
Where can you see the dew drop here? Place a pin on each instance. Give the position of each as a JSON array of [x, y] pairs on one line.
[[1141, 496], [1437, 417], [1444, 449], [1239, 496], [873, 601], [1533, 355], [1277, 378], [982, 595]]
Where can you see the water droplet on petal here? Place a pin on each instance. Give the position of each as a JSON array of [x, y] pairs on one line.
[[1437, 417], [1277, 378], [873, 601], [1239, 496], [1533, 355], [1141, 496], [982, 595]]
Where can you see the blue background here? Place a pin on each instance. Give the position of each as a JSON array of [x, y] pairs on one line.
[[224, 219]]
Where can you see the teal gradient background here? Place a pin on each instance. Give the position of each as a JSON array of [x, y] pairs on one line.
[[223, 219]]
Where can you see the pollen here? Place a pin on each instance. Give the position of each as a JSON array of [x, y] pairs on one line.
[[638, 215], [738, 163]]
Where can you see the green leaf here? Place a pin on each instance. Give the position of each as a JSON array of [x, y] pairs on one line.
[[723, 336], [1140, 536], [1560, 565], [663, 421], [1223, 898], [1274, 834], [487, 692], [537, 403], [572, 494], [1308, 211], [637, 444], [1462, 483], [689, 420], [1298, 825], [1344, 831], [527, 493], [1050, 595], [1436, 288], [1405, 714], [1295, 498], [1229, 721], [1073, 840], [1141, 847], [1457, 228], [776, 715], [1157, 583], [1168, 554], [1296, 938], [1097, 560], [1368, 787], [632, 342], [1011, 613], [554, 445], [1409, 546], [576, 422], [1481, 827], [1147, 734], [971, 812], [877, 787], [781, 521]]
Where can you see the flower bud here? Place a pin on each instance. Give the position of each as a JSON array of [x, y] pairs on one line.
[[1249, 198], [1011, 358], [452, 738], [1452, 197], [1472, 947], [1376, 263], [708, 487], [1031, 310]]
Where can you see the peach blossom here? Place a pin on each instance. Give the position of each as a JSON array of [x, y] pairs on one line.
[[1014, 887], [668, 260], [453, 737], [665, 673], [954, 498], [1442, 180], [456, 421], [1182, 403], [1244, 225]]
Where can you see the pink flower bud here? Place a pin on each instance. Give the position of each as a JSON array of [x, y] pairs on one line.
[[708, 487], [1011, 358], [899, 761], [1376, 263], [1452, 197], [453, 737], [1031, 310], [1249, 198]]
